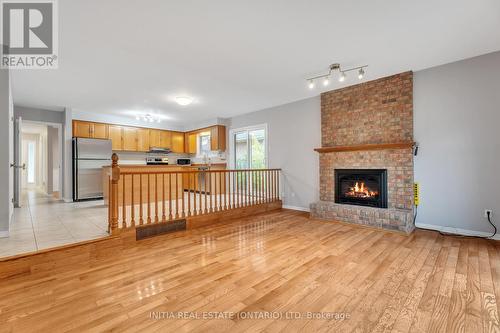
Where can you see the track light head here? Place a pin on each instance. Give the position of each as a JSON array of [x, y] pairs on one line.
[[342, 77], [361, 73], [311, 84], [326, 81]]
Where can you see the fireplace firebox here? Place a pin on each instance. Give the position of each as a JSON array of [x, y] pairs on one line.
[[364, 187]]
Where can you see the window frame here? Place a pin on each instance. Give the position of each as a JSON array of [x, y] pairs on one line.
[[232, 153]]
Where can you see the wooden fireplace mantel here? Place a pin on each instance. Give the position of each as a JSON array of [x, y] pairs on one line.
[[377, 146]]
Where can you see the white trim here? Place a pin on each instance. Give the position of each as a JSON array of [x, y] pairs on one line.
[[458, 231], [67, 200], [4, 234], [230, 154], [302, 209]]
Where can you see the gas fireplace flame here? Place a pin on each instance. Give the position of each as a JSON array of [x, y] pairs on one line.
[[361, 191]]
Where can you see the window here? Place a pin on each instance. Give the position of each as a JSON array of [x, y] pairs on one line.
[[204, 144], [249, 147]]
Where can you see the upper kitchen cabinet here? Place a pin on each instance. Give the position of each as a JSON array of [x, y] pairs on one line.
[[87, 129], [115, 135], [191, 142], [81, 129], [129, 138], [166, 139], [143, 139], [218, 138], [177, 142], [100, 131], [154, 138]]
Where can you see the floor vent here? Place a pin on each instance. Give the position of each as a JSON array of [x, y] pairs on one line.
[[159, 229]]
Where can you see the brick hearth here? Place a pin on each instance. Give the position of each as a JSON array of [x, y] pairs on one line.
[[375, 112]]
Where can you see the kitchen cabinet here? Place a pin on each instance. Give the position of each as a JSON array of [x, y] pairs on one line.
[[87, 129], [115, 135], [99, 131], [191, 142], [129, 138], [81, 129], [218, 138], [165, 139], [154, 138], [177, 142], [143, 139], [143, 135]]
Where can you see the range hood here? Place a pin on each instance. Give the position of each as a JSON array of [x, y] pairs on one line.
[[158, 150]]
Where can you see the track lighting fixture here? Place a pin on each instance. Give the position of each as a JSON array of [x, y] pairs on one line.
[[361, 73], [342, 75]]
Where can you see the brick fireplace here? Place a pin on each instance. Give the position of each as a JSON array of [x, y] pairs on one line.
[[368, 126]]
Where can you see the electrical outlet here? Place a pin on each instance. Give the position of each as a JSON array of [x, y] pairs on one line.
[[486, 211]]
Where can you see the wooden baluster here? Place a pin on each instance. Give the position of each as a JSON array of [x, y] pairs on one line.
[[200, 202], [262, 186], [124, 207], [109, 204], [195, 188], [211, 208], [273, 180], [177, 195], [132, 206], [247, 199], [229, 189], [163, 215], [149, 199], [278, 190], [268, 189], [234, 188], [183, 213], [220, 192], [189, 194], [206, 189], [249, 188], [141, 220], [276, 175], [223, 189], [156, 198], [170, 217], [113, 195]]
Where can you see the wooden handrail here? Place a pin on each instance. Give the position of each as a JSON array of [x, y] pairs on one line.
[[189, 193]]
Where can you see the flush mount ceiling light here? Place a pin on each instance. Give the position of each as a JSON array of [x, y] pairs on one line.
[[149, 118], [184, 100], [342, 74]]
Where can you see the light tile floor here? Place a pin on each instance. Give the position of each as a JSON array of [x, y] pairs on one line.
[[43, 222]]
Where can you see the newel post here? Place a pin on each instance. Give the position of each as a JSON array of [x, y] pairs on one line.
[[113, 194]]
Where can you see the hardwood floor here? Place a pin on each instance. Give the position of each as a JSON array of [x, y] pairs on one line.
[[275, 264]]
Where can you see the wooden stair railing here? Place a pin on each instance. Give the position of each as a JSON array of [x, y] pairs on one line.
[[139, 198]]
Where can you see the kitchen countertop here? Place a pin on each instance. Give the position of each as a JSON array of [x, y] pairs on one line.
[[166, 166]]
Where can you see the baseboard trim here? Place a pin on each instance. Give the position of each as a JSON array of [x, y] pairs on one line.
[[302, 209], [66, 200], [458, 231], [4, 234]]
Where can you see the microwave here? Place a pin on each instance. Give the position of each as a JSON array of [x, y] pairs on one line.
[[183, 161]]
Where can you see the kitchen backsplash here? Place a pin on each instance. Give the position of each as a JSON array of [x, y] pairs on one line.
[[140, 158]]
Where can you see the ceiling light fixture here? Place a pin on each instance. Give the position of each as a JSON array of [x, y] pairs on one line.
[[361, 73], [149, 118], [342, 77], [342, 74], [184, 100]]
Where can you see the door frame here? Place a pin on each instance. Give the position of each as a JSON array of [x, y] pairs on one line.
[[60, 138], [232, 131]]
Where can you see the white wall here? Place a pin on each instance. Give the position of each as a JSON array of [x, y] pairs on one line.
[[294, 130], [6, 152], [457, 119]]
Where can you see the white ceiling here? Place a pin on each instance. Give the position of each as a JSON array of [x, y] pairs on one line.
[[121, 57]]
